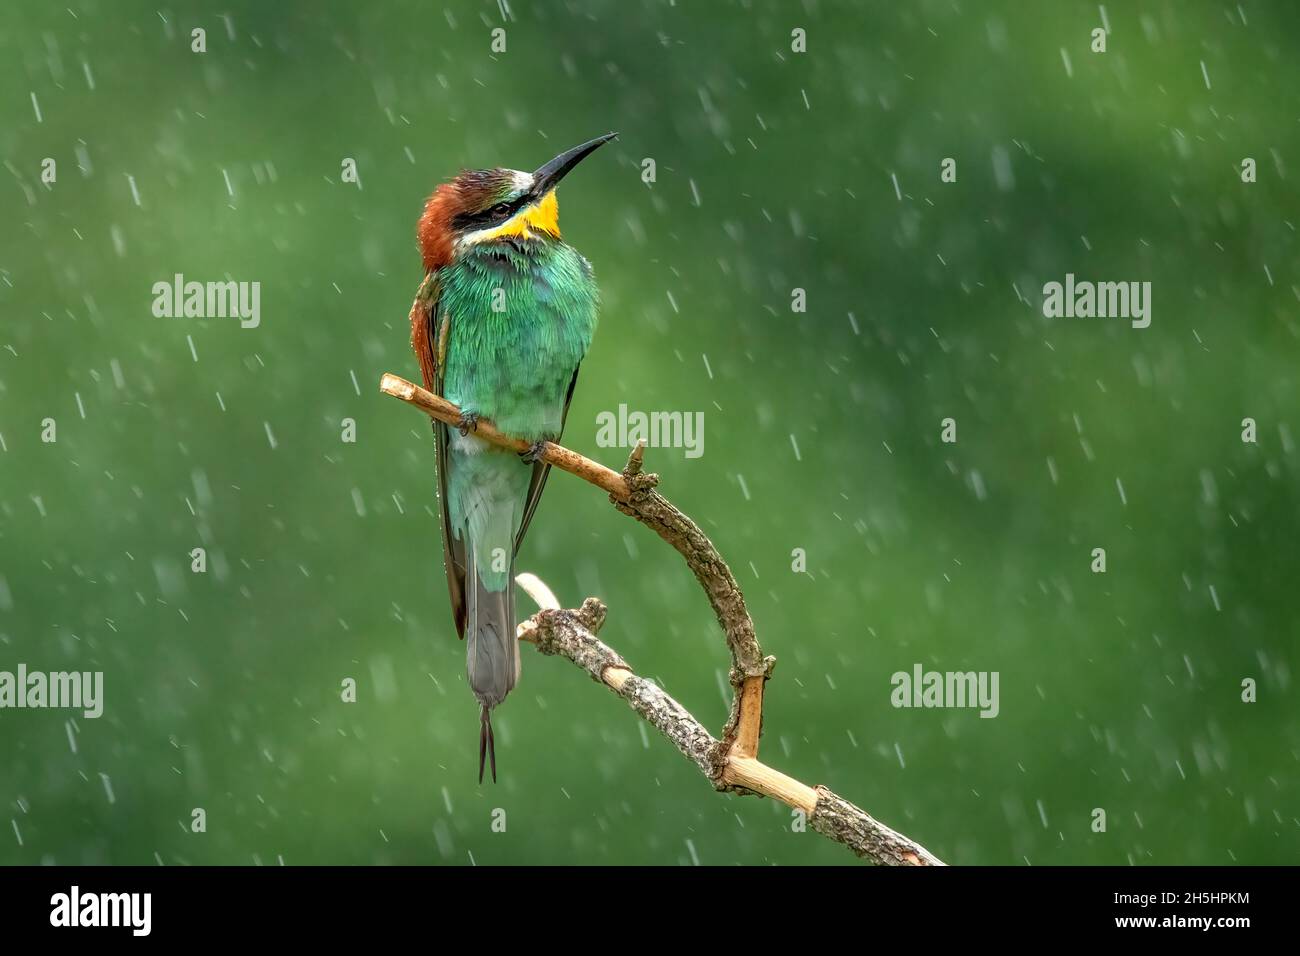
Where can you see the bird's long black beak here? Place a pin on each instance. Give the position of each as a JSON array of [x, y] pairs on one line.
[[546, 177]]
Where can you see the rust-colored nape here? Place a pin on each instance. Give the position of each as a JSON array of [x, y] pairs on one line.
[[435, 229]]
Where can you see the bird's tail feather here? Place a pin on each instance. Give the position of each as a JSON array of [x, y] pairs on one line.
[[491, 653], [487, 746]]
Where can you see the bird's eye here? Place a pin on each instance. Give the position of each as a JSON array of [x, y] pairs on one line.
[[500, 209]]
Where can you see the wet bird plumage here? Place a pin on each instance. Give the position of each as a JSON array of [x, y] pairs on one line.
[[502, 322]]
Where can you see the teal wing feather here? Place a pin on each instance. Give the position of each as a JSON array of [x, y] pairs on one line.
[[540, 471], [429, 336]]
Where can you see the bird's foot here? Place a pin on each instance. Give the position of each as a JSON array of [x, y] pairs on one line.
[[534, 452], [468, 422]]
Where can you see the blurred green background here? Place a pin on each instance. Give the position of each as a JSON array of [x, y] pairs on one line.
[[776, 170]]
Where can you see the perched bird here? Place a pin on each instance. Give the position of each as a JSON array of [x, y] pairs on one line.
[[502, 320]]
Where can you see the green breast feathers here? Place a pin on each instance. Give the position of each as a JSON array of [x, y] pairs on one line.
[[522, 316]]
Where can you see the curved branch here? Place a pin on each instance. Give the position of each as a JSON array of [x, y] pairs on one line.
[[730, 763]]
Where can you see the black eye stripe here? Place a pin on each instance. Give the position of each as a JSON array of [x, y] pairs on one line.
[[477, 220]]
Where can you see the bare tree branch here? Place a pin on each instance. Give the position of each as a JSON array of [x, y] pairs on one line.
[[730, 763]]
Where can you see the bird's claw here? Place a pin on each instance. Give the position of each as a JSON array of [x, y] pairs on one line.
[[468, 423], [534, 452]]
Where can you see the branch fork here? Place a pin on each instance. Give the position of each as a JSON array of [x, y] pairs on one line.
[[731, 762]]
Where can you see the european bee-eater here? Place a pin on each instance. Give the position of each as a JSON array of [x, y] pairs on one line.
[[502, 321]]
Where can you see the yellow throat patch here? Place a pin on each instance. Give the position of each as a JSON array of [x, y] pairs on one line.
[[540, 217]]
